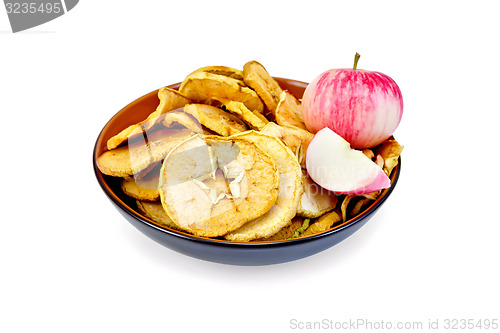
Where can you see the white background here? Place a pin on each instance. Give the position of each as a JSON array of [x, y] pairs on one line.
[[71, 263]]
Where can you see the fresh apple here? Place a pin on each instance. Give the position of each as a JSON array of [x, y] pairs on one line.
[[363, 107], [335, 166]]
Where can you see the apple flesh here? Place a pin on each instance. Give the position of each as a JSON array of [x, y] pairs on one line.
[[364, 107], [335, 166]]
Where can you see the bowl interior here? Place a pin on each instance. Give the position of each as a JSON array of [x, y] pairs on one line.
[[139, 109]]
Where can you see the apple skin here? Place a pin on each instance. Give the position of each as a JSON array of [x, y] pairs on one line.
[[364, 107], [334, 165]]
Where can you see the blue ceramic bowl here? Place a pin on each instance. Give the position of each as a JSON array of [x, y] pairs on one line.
[[216, 250]]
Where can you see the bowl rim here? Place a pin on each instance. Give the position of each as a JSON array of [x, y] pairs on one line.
[[223, 242]]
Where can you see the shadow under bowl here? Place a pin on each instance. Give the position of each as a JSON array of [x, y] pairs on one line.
[[217, 250]]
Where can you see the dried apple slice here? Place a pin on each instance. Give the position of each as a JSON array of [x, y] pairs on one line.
[[154, 211], [182, 118], [140, 192], [212, 185], [323, 223], [287, 231], [390, 151], [372, 195], [369, 153], [170, 99], [128, 160], [359, 205], [343, 206], [290, 189], [289, 111], [315, 200], [257, 78], [203, 87], [215, 119], [144, 185], [253, 119], [379, 160], [361, 201], [294, 138], [222, 70]]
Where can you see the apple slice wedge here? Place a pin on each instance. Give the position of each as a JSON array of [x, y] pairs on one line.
[[335, 166]]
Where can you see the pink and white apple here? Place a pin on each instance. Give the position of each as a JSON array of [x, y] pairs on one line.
[[335, 166], [363, 107]]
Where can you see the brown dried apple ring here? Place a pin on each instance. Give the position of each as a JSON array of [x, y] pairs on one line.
[[343, 206], [215, 119], [289, 111], [257, 78], [290, 190], [315, 200], [294, 138], [182, 118], [372, 195], [204, 87], [128, 160], [212, 185], [359, 205], [170, 99], [253, 119], [287, 231], [369, 153], [222, 70], [323, 223], [390, 151], [154, 211], [144, 185]]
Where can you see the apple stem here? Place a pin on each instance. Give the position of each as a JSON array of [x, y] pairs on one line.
[[356, 58]]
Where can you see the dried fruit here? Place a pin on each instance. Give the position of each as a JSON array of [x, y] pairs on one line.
[[390, 151], [287, 231], [170, 99], [343, 206], [203, 87], [210, 186], [323, 223], [315, 200], [369, 153], [215, 119], [257, 77], [144, 185], [290, 189], [289, 111], [128, 160], [182, 118], [294, 138], [155, 212], [253, 119], [359, 205], [222, 70]]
